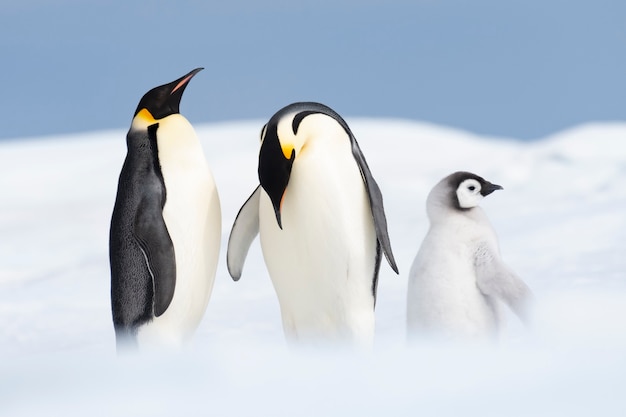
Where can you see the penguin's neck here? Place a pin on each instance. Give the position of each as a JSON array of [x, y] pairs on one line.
[[442, 214], [177, 139]]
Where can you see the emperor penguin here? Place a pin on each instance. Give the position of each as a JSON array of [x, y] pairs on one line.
[[458, 278], [322, 226], [166, 226]]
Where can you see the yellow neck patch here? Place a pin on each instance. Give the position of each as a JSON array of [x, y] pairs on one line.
[[287, 150], [145, 115]]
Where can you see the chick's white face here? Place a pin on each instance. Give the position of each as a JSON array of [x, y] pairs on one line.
[[468, 193]]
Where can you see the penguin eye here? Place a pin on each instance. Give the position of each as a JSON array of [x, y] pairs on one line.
[[471, 188]]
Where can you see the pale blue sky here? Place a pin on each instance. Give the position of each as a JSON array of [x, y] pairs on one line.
[[523, 69]]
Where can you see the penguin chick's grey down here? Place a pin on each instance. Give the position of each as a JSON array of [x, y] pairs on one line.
[[322, 225], [458, 277], [166, 226]]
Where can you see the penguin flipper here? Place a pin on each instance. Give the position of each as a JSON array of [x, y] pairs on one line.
[[495, 279], [244, 230], [375, 197], [151, 233]]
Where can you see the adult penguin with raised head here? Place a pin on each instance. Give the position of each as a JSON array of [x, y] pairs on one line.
[[458, 279], [166, 226], [322, 225]]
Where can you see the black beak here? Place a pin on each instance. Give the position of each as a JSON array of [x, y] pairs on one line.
[[277, 213], [488, 188], [178, 86]]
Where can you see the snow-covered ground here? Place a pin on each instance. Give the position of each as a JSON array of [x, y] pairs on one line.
[[561, 220]]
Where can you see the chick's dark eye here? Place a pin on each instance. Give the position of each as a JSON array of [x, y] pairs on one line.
[[471, 188]]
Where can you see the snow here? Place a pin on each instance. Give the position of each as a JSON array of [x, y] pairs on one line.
[[561, 220]]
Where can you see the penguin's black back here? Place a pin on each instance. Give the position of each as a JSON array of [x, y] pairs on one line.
[[137, 218]]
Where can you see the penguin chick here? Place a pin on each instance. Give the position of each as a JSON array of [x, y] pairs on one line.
[[458, 277]]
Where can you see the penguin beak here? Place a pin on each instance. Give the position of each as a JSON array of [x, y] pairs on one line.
[[274, 170], [488, 188], [277, 212], [181, 83], [178, 88]]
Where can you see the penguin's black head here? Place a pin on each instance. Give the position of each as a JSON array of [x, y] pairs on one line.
[[468, 189], [164, 100], [278, 154], [274, 166]]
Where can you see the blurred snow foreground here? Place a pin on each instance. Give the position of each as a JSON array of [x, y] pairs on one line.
[[561, 220]]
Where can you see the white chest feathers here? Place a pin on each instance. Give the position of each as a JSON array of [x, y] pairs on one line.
[[193, 219], [444, 297]]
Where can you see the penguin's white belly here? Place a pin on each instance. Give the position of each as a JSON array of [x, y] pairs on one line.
[[193, 219], [443, 298], [322, 262]]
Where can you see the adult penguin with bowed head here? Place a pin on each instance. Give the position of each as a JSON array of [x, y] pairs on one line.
[[322, 225], [458, 279], [166, 226]]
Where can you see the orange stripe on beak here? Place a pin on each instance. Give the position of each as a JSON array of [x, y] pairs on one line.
[[182, 82]]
